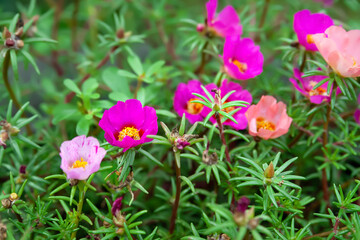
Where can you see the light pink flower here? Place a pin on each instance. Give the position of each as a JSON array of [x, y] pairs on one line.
[[226, 23], [81, 157], [341, 50], [268, 119]]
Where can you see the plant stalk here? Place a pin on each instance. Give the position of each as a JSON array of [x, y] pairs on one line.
[[325, 142], [222, 136], [177, 199], [82, 192]]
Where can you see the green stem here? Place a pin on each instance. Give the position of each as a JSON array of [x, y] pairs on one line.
[[200, 69], [6, 65], [82, 192]]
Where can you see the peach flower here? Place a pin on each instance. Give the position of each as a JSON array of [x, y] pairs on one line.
[[268, 119], [340, 49]]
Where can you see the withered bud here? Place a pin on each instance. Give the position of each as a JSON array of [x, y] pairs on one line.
[[6, 203], [22, 169], [19, 44], [13, 197], [120, 231], [3, 231], [217, 99], [73, 182], [269, 171], [253, 223], [19, 32], [120, 33], [209, 159], [223, 236], [6, 34], [106, 224], [4, 136], [119, 220]]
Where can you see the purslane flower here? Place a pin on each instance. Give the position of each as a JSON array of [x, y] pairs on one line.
[[242, 58], [240, 95], [340, 49], [306, 24], [316, 96], [183, 101], [268, 119], [226, 23], [127, 124], [116, 207], [81, 157]]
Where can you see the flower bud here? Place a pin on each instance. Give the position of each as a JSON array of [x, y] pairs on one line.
[[116, 207], [242, 204], [217, 99], [19, 44], [106, 224], [9, 42], [119, 220], [6, 34], [269, 171], [22, 169], [13, 196]]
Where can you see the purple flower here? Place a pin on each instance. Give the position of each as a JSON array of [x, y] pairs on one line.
[[22, 169], [242, 205], [116, 207], [127, 124], [316, 96], [226, 23], [81, 157], [242, 58], [307, 24], [182, 101], [181, 143], [239, 95]]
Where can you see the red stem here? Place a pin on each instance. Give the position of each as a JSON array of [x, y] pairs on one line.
[[177, 199], [222, 136]]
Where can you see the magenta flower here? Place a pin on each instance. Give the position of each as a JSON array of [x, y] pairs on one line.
[[81, 157], [127, 124], [307, 24], [182, 101], [357, 113], [316, 96], [242, 205], [239, 95], [226, 23], [242, 58]]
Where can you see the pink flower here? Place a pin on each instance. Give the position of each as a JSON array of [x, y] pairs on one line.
[[341, 50], [81, 157], [127, 124], [316, 96], [242, 58], [239, 95], [183, 101], [307, 24], [268, 119], [224, 24]]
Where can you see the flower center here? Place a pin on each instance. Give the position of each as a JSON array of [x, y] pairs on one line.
[[318, 91], [261, 123], [194, 108], [79, 164], [228, 109], [241, 66], [309, 39], [129, 131]]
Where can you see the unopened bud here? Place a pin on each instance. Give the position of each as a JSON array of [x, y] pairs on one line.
[[269, 171], [200, 27], [120, 231], [223, 236], [13, 196], [14, 131], [119, 220], [120, 33], [253, 223], [19, 43], [22, 169]]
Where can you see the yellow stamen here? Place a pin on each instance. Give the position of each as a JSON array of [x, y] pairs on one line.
[[261, 123], [194, 108], [79, 164], [129, 131], [241, 66], [228, 109], [309, 39]]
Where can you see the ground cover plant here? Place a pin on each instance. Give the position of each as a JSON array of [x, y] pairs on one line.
[[156, 119]]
